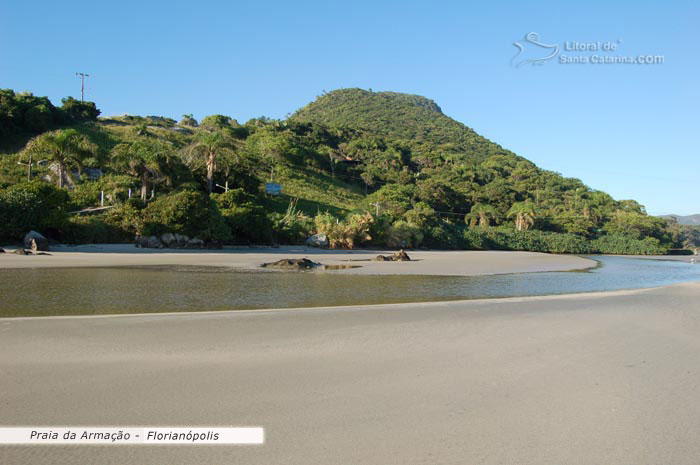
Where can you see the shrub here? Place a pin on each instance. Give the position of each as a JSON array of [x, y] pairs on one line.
[[85, 195], [534, 241], [39, 118], [117, 225], [444, 236], [32, 205], [188, 120], [244, 216], [190, 213], [292, 227], [77, 111], [618, 244], [379, 228], [404, 234], [542, 241], [393, 199], [216, 122], [421, 215], [94, 230], [345, 234]]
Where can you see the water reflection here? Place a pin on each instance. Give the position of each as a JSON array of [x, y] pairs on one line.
[[74, 291]]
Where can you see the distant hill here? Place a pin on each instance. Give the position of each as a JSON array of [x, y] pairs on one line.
[[692, 220]]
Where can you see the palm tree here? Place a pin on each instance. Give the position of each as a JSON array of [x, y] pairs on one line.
[[143, 159], [210, 148], [481, 214], [66, 148], [368, 178], [523, 213]]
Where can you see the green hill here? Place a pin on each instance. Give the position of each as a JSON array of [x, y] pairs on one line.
[[416, 120], [365, 168]]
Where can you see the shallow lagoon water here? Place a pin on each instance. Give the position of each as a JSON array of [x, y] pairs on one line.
[[84, 291]]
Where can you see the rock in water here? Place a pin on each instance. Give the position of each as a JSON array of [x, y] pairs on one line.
[[2, 250], [292, 264], [22, 252], [382, 258], [35, 241], [318, 240]]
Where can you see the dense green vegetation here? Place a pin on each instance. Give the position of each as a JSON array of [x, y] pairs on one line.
[[365, 168], [25, 114]]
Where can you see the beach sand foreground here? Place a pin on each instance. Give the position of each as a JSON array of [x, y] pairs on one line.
[[603, 378]]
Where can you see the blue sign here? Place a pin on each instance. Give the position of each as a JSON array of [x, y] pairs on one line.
[[273, 188]]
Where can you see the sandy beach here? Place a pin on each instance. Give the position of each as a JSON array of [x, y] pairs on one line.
[[579, 379], [443, 263]]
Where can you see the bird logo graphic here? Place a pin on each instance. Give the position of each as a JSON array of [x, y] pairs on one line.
[[532, 42]]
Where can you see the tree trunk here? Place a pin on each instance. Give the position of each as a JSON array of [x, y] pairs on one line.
[[61, 168], [210, 172]]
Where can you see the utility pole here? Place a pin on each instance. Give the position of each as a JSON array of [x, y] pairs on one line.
[[82, 85], [29, 167], [225, 188]]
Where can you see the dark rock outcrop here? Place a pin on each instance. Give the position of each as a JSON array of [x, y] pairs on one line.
[[181, 240], [22, 252], [175, 241], [292, 264], [194, 243], [400, 256], [169, 240], [36, 242], [154, 243], [148, 242]]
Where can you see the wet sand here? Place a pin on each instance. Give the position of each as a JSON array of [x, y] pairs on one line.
[[581, 379], [444, 263]]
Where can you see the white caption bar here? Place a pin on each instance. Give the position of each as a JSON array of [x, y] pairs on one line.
[[131, 435]]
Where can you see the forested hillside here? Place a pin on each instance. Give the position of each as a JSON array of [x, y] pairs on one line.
[[365, 168], [412, 120]]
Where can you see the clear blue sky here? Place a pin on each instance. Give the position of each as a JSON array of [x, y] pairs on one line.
[[627, 129]]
